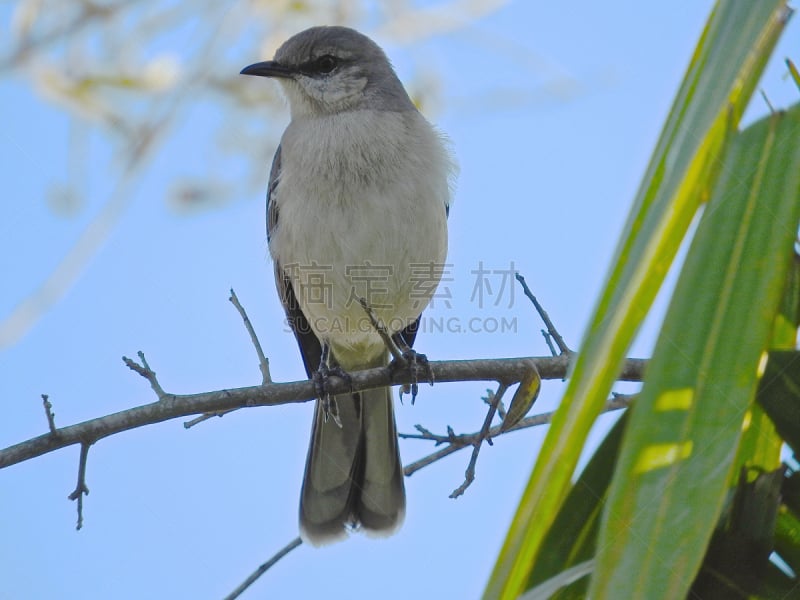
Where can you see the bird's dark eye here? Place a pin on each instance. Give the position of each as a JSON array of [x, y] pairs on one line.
[[325, 64]]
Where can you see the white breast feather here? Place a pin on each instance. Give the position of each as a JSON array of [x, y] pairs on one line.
[[360, 206]]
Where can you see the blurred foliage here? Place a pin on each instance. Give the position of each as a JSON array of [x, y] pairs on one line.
[[132, 71]]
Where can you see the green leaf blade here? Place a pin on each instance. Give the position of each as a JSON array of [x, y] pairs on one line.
[[675, 466], [721, 77]]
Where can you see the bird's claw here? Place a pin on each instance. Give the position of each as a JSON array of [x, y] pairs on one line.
[[330, 409], [417, 365]]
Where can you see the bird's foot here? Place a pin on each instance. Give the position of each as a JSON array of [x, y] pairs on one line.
[[321, 376], [418, 366]]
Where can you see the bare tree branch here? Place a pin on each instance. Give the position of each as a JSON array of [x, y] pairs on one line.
[[264, 568], [459, 442], [145, 371], [205, 417], [171, 406], [81, 489], [489, 398], [552, 332], [263, 361], [381, 329], [549, 341], [48, 411], [483, 434]]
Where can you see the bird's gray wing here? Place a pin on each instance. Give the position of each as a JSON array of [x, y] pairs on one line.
[[310, 348], [272, 206], [335, 466], [410, 332]]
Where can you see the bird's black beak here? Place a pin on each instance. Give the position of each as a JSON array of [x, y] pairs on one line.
[[268, 68]]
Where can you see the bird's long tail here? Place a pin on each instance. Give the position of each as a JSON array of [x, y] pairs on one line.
[[353, 475]]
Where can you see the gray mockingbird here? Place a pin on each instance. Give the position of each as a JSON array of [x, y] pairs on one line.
[[356, 209]]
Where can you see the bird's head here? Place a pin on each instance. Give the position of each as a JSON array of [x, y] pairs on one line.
[[327, 70]]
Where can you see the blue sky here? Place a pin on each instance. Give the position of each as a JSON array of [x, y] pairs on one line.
[[552, 110]]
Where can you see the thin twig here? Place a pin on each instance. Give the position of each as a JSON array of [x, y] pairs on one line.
[[263, 361], [464, 441], [145, 371], [402, 354], [489, 398], [264, 568], [426, 434], [206, 416], [81, 489], [769, 104], [469, 474], [381, 329], [562, 345], [51, 418], [548, 339], [431, 458]]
